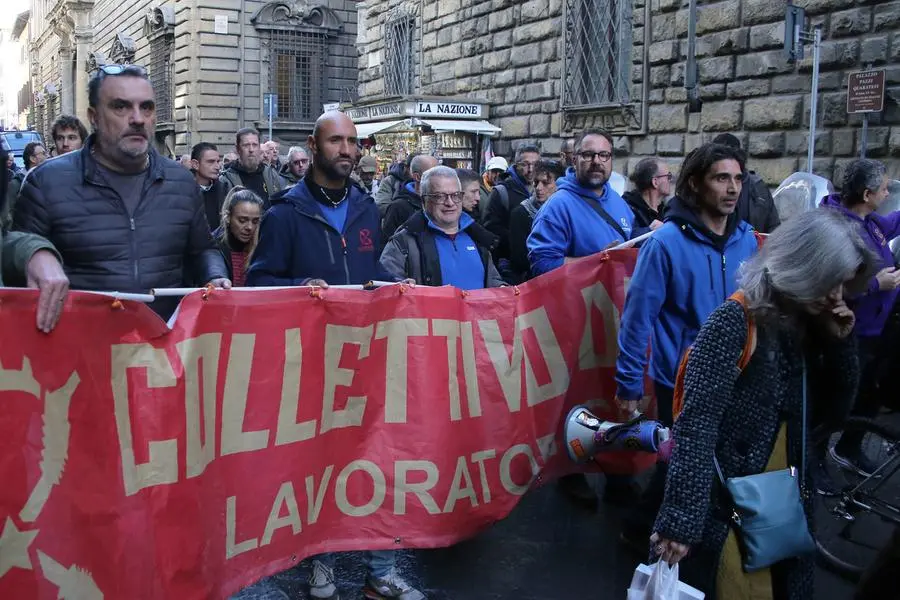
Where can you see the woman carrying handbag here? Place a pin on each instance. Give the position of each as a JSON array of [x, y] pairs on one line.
[[737, 507]]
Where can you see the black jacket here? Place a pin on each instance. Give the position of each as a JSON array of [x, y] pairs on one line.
[[165, 243], [643, 214], [213, 199], [520, 221], [413, 253], [500, 207], [756, 206], [406, 203]]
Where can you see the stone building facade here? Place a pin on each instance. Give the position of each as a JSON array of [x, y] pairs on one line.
[[210, 61], [550, 68]]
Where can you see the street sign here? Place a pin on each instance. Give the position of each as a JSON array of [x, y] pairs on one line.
[[865, 92], [270, 103], [330, 106]]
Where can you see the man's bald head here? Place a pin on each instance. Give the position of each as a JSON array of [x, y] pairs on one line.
[[334, 147], [417, 167]]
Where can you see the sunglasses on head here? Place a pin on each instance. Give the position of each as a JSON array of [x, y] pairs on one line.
[[117, 69]]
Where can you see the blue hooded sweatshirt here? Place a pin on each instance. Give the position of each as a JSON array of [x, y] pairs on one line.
[[298, 241], [872, 308], [568, 226], [683, 273]]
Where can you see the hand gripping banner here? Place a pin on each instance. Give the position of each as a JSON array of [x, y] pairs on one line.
[[268, 426]]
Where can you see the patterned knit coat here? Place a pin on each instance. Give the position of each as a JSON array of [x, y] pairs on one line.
[[738, 416]]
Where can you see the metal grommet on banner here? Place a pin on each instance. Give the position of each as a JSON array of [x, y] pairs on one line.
[[207, 291], [398, 540], [403, 287], [316, 292], [464, 293], [604, 256], [117, 304]]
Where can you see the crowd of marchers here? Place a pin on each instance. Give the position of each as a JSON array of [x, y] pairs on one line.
[[108, 212]]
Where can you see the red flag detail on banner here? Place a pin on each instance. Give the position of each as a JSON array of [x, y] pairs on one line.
[[268, 426]]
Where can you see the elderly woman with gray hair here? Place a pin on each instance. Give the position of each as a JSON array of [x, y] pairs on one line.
[[750, 420], [863, 191]]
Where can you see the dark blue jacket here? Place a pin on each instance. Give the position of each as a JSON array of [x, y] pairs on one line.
[[297, 243], [682, 275]]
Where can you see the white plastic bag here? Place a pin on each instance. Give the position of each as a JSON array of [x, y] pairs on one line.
[[660, 582]]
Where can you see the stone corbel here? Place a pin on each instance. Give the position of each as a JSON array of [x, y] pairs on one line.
[[122, 50], [95, 60]]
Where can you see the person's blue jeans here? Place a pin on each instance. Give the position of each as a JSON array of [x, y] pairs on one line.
[[378, 562]]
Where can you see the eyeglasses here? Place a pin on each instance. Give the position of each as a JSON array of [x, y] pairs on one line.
[[301, 161], [589, 156], [117, 69], [527, 164], [668, 176], [455, 198]]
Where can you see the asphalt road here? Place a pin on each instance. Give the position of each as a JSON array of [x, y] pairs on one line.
[[547, 549]]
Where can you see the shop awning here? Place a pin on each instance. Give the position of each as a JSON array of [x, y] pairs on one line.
[[364, 130], [482, 127]]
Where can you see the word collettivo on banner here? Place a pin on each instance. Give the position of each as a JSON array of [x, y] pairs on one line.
[[269, 426]]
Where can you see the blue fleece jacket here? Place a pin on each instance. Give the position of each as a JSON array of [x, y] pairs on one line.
[[461, 264], [872, 308], [568, 226], [297, 242], [682, 275]]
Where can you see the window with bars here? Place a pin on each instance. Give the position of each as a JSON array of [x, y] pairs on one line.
[[399, 57], [597, 54], [159, 68], [297, 62]]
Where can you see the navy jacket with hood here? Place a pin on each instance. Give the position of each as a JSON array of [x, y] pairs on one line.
[[297, 243], [683, 274]]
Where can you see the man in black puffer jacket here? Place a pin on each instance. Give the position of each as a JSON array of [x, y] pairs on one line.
[[122, 217]]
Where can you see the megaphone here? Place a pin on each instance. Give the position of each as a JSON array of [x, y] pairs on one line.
[[587, 435]]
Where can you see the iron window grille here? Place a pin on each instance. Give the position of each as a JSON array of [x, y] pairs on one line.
[[399, 56], [597, 53], [159, 27], [297, 61]]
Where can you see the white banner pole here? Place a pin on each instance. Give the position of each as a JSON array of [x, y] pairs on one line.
[[632, 241], [146, 298], [169, 292]]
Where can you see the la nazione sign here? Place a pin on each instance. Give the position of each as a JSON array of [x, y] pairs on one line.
[[417, 108], [865, 92]]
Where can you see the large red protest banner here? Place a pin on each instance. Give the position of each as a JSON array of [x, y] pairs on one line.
[[268, 426]]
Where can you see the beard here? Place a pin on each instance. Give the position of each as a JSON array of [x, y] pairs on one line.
[[332, 169], [593, 180]]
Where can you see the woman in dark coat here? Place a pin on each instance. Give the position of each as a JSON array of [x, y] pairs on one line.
[[794, 293]]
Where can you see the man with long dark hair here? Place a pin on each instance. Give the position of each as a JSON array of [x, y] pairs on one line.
[[684, 271]]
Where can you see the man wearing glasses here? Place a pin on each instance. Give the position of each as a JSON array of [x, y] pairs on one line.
[[515, 187], [443, 245], [297, 165], [652, 181], [122, 216]]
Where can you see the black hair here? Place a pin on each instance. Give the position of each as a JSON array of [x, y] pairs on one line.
[[28, 152], [467, 176], [525, 148], [69, 122], [100, 74], [727, 139], [198, 150], [644, 172], [552, 167], [698, 162]]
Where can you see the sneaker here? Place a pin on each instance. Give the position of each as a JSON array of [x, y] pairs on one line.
[[858, 462], [390, 586], [578, 491], [321, 582]]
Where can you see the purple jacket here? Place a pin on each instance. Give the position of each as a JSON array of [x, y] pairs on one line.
[[874, 306]]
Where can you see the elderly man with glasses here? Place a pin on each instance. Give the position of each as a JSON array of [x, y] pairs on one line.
[[442, 245], [122, 216]]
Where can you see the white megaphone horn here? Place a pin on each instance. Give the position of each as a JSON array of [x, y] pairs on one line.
[[586, 435]]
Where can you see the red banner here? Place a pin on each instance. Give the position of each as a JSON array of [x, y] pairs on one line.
[[268, 426]]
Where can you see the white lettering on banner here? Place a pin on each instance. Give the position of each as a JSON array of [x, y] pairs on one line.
[[378, 492], [470, 369], [336, 337], [275, 521], [162, 466], [450, 330], [402, 486], [286, 507], [198, 353], [289, 430], [397, 332], [232, 548], [234, 403], [597, 296]]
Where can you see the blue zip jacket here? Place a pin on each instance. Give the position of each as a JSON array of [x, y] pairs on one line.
[[567, 225], [297, 242], [682, 275], [460, 259]]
